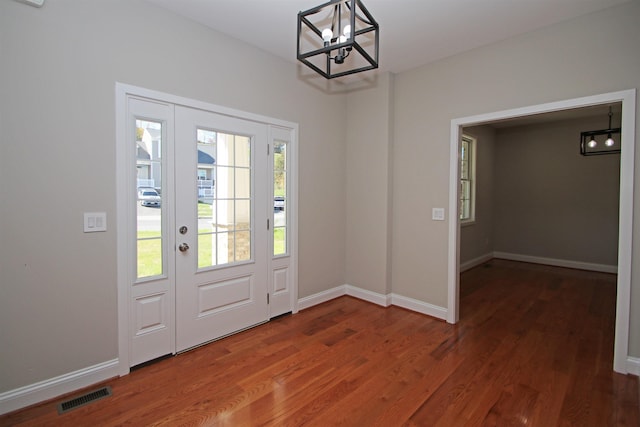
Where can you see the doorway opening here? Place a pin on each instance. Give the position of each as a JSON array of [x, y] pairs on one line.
[[627, 99]]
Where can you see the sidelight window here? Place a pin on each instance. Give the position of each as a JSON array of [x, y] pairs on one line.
[[149, 199], [279, 198]]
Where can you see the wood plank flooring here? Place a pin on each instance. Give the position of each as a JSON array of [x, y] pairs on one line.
[[534, 347]]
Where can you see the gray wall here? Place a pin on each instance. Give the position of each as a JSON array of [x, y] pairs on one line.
[[552, 202], [476, 239], [60, 63], [369, 198]]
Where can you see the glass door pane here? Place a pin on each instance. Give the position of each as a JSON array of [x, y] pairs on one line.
[[224, 198], [149, 199]]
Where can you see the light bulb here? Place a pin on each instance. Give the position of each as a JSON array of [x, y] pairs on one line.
[[327, 35], [592, 143], [347, 31], [342, 39], [609, 142]]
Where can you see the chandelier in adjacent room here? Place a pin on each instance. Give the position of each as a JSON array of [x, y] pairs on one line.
[[600, 141]]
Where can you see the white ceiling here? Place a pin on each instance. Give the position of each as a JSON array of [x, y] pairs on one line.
[[412, 32]]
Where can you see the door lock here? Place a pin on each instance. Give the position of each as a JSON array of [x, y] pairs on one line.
[[183, 229]]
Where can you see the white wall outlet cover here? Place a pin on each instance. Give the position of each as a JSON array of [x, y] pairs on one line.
[[35, 3]]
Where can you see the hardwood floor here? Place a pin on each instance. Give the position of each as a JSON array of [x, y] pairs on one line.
[[534, 347]]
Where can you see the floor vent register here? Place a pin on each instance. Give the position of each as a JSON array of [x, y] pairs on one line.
[[85, 399]]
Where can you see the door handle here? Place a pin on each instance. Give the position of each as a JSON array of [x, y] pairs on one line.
[[183, 247]]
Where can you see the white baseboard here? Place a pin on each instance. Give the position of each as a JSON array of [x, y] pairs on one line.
[[633, 366], [44, 390], [468, 265], [375, 298], [419, 306], [604, 268], [321, 297], [365, 295]]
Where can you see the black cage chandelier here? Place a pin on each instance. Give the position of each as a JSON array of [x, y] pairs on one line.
[[338, 38], [600, 141]]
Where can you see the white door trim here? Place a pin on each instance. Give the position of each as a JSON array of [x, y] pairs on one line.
[[124, 177], [625, 230]]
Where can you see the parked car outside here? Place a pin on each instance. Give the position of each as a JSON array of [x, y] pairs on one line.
[[278, 203], [149, 197]]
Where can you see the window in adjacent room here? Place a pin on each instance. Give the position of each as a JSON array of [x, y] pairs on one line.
[[467, 179]]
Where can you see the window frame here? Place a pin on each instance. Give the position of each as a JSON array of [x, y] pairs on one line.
[[471, 155]]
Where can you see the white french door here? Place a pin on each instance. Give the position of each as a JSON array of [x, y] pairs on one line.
[[206, 215], [221, 261]]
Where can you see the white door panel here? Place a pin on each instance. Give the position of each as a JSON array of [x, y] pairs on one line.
[[221, 280]]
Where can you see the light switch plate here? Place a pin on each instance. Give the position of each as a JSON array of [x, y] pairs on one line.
[[437, 214], [95, 221]]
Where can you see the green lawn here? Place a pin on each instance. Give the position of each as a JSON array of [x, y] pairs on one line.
[[150, 251], [279, 241], [149, 254], [205, 210]]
